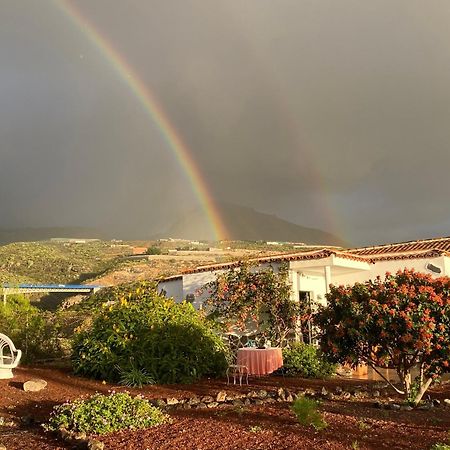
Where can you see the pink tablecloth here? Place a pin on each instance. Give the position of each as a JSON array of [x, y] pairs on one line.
[[260, 361]]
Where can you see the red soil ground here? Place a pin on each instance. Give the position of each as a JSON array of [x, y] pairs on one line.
[[351, 423]]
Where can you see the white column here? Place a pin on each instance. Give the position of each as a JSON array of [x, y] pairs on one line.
[[293, 278], [327, 270]]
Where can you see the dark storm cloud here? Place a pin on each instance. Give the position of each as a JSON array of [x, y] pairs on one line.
[[329, 114]]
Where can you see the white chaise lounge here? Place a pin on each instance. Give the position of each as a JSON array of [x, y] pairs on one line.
[[9, 357]]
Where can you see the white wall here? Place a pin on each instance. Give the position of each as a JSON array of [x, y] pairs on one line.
[[173, 288]]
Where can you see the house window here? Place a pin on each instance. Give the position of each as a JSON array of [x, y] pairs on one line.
[[190, 298]]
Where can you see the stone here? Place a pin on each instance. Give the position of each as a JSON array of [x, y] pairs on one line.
[[375, 394], [406, 408], [262, 394], [193, 401], [172, 401], [258, 401], [270, 400], [212, 405], [81, 436], [247, 402], [395, 407], [289, 398], [425, 407], [34, 385], [93, 444], [323, 392], [2, 447], [201, 405], [338, 390], [160, 403], [207, 399], [238, 403], [346, 395], [447, 401], [436, 402], [281, 394], [252, 394], [27, 420], [221, 397], [187, 406], [65, 435]]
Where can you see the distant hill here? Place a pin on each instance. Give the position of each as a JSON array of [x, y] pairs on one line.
[[42, 234], [247, 224]]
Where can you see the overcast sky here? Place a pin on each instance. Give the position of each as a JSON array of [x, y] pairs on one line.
[[334, 115]]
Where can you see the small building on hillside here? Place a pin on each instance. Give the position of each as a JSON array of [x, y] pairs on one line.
[[311, 272]]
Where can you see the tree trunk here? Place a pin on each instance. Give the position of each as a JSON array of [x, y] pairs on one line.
[[422, 390]]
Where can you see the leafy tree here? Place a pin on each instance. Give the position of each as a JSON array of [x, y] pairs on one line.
[[401, 323], [245, 297]]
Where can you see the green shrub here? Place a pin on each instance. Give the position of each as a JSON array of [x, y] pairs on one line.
[[33, 331], [153, 251], [306, 411], [306, 361], [440, 447], [102, 414], [168, 342]]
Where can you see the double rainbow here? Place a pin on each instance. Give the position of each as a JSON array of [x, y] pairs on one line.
[[153, 109]]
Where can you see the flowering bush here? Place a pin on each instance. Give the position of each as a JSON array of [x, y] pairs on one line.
[[400, 322], [151, 337], [245, 297], [100, 414]]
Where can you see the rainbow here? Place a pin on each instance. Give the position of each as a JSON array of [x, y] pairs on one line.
[[154, 110]]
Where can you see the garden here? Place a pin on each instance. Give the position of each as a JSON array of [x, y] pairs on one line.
[[130, 368]]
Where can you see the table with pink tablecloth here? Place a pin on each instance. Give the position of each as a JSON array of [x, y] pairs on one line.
[[260, 361]]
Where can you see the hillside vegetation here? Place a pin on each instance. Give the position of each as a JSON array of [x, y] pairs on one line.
[[48, 262]]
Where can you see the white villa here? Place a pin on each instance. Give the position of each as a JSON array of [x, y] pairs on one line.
[[311, 272]]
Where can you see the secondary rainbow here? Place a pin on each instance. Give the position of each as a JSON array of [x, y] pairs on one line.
[[151, 106]]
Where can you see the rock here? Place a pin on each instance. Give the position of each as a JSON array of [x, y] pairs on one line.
[[187, 406], [262, 394], [221, 397], [346, 395], [289, 398], [247, 402], [207, 399], [379, 405], [27, 420], [34, 385], [193, 401], [270, 400], [281, 394], [160, 403], [338, 390], [201, 405], [93, 444], [447, 401], [2, 420], [172, 401], [436, 402], [258, 401], [323, 392], [81, 436], [212, 405], [238, 403], [65, 435], [425, 407], [252, 394], [2, 447], [395, 407], [375, 394]]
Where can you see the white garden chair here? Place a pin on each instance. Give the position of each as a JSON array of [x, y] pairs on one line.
[[9, 357]]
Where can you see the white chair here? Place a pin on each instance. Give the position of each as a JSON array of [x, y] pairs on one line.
[[9, 357], [237, 371]]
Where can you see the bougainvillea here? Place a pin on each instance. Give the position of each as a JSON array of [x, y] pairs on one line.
[[401, 323], [247, 297]]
